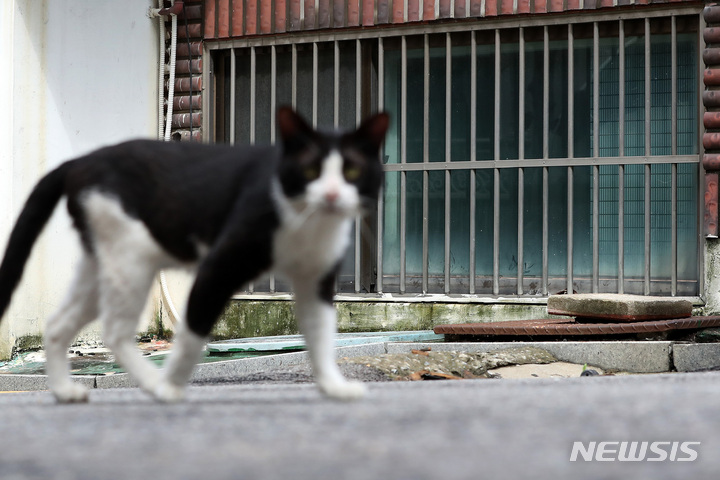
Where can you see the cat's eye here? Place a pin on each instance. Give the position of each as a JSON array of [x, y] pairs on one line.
[[351, 172], [311, 173]]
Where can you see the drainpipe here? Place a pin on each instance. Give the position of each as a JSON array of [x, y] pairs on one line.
[[164, 134]]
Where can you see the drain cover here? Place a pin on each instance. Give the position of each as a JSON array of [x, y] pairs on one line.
[[560, 327]]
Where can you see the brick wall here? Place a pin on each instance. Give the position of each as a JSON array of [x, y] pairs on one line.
[[711, 118], [238, 18], [188, 72]]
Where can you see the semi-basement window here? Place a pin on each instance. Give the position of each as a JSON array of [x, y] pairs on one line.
[[522, 160]]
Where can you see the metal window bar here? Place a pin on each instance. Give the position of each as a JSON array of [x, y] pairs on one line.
[[545, 155], [403, 160], [426, 160], [496, 171], [596, 154], [569, 288], [473, 157], [381, 199], [648, 152], [673, 151], [621, 152], [473, 164], [521, 157], [273, 107], [253, 96], [448, 154], [358, 119]]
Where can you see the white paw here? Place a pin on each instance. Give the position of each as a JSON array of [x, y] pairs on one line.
[[166, 392], [70, 393], [343, 390]]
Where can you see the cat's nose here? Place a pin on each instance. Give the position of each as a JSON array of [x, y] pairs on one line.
[[331, 196]]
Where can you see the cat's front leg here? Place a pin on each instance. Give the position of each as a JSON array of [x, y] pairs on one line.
[[186, 352], [317, 319]]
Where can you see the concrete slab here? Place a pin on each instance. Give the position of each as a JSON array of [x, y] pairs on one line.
[[26, 383], [636, 357], [208, 372], [696, 357], [619, 308]]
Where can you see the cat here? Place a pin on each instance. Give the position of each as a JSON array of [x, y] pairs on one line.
[[229, 213]]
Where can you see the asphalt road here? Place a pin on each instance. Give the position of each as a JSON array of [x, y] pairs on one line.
[[470, 429]]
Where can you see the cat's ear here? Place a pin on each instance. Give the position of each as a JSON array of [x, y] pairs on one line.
[[371, 133], [296, 134]]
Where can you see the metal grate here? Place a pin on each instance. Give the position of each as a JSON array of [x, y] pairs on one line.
[[522, 160]]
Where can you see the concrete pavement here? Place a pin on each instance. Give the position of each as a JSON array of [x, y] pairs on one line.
[[468, 429]]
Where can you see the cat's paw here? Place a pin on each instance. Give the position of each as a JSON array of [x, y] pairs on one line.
[[345, 390], [70, 393], [167, 392]]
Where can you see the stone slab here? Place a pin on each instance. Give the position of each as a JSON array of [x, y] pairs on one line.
[[208, 372], [696, 357], [569, 327], [25, 383], [619, 308], [636, 357]]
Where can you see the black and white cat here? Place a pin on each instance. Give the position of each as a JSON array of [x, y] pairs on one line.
[[231, 213]]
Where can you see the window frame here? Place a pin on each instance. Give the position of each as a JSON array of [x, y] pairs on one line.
[[368, 273]]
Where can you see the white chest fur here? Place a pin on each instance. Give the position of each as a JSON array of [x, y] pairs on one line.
[[310, 250]]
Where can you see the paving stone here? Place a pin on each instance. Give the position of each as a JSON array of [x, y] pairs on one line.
[[696, 357], [628, 356], [619, 308]]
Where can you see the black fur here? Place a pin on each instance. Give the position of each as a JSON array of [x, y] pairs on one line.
[[187, 193]]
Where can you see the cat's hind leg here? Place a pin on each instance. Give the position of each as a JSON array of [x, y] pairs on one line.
[[124, 288], [77, 310]]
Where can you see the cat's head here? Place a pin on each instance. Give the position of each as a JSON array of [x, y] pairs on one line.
[[331, 172]]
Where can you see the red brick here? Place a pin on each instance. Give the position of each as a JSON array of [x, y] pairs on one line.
[[506, 7], [413, 10], [223, 28], [711, 162], [251, 17], [711, 204], [338, 14], [210, 19], [711, 141], [266, 16], [323, 13], [491, 8], [238, 18], [368, 12], [309, 15], [523, 6], [573, 4], [280, 15], [295, 8], [398, 11], [353, 13], [445, 8], [541, 6], [383, 11], [460, 9], [428, 10], [711, 76]]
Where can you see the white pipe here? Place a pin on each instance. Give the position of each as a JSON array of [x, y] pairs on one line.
[[165, 134], [171, 81], [161, 75]]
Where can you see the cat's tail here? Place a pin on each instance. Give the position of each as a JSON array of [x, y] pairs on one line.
[[33, 217]]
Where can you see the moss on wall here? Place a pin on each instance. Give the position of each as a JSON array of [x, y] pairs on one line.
[[28, 342], [248, 318]]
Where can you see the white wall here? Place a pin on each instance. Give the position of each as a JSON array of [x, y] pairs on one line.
[[81, 75]]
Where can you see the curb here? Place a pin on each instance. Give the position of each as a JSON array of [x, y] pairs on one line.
[[631, 356]]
